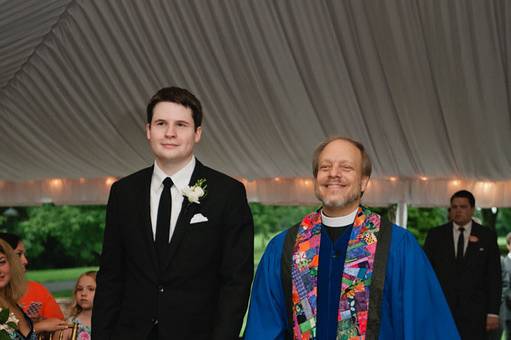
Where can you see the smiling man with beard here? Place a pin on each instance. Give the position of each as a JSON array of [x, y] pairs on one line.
[[345, 272]]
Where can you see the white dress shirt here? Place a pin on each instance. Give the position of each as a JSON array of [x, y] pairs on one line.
[[456, 234], [181, 179]]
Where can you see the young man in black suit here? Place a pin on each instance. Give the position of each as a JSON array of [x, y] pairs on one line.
[[177, 260], [466, 259]]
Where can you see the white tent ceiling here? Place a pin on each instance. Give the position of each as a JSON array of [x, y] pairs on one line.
[[425, 85]]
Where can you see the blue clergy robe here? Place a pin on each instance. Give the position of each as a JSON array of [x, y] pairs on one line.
[[413, 304]]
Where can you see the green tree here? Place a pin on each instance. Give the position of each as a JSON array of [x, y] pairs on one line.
[[489, 218], [63, 236], [421, 220], [270, 219], [503, 225]]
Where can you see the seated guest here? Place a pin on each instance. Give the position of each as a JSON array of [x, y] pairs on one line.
[[12, 285], [81, 312], [37, 302]]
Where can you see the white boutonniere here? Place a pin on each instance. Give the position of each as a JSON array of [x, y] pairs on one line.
[[8, 323], [196, 191]]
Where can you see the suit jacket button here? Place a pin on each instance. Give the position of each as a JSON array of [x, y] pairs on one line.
[[154, 321], [161, 289]]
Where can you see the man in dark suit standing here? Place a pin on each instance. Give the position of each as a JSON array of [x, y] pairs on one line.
[[466, 259], [177, 260]]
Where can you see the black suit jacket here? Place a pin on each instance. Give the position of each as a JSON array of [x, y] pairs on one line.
[[201, 290], [472, 289]]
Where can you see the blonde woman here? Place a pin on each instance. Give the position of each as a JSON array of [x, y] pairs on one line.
[[12, 287], [37, 302]]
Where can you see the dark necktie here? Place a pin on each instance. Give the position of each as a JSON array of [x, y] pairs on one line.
[[461, 245], [163, 220]]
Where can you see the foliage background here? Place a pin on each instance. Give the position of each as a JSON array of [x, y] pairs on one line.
[[71, 236], [59, 236]]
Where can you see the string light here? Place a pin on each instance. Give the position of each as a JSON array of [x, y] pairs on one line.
[[392, 178], [486, 186], [423, 178], [109, 181], [56, 183]]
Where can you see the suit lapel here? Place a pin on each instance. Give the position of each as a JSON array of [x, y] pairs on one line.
[[183, 221], [145, 217]]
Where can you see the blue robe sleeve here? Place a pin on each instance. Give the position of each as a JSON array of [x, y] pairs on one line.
[[267, 316], [413, 304]]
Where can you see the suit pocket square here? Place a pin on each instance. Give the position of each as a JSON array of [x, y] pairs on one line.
[[197, 218]]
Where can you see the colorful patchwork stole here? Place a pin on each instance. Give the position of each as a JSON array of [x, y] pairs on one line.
[[356, 277]]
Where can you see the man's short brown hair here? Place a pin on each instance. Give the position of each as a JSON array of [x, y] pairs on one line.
[[179, 96]]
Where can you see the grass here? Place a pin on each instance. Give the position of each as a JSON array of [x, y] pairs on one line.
[[63, 293], [53, 275]]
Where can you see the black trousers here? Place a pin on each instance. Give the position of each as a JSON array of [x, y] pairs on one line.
[[153, 335]]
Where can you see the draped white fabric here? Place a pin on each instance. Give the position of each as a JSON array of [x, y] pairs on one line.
[[424, 85]]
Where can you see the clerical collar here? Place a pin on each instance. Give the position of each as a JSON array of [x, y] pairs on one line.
[[340, 221]]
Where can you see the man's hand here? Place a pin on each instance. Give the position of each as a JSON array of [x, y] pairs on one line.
[[492, 322]]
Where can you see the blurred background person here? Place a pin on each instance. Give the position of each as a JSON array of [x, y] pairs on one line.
[[81, 311], [37, 302], [12, 286], [505, 307], [466, 258]]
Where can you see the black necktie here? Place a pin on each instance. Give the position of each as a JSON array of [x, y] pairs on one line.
[[163, 220], [461, 245]]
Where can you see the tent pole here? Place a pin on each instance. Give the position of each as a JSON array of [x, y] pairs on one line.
[[402, 214]]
